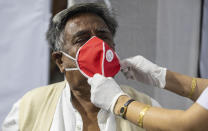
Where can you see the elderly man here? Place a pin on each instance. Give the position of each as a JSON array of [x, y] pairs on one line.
[[66, 105]]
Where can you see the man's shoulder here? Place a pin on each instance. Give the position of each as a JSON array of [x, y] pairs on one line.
[[40, 93], [38, 103], [139, 96], [135, 94], [44, 89]]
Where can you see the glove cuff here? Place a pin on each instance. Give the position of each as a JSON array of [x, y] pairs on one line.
[[115, 100], [159, 77]]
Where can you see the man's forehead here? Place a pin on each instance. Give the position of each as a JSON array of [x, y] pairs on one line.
[[85, 21]]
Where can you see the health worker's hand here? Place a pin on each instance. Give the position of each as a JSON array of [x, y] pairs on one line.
[[104, 92], [140, 69]]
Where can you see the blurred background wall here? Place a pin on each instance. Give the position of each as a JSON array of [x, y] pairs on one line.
[[167, 32], [24, 54], [204, 40]]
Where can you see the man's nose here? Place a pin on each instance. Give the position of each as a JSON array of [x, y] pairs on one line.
[[93, 33]]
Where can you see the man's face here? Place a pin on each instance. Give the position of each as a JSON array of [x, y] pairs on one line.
[[79, 30]]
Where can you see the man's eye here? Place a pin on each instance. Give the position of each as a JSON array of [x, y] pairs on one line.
[[103, 37], [80, 41]]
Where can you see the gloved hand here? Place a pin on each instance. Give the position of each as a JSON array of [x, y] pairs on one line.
[[104, 92], [140, 69]]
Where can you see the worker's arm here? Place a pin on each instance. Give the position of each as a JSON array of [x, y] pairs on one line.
[[160, 119], [106, 94], [182, 84], [143, 70]]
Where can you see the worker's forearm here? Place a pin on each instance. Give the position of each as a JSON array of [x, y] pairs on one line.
[[195, 118], [182, 84], [154, 119]]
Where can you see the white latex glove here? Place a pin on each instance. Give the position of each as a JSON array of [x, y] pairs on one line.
[[104, 92], [140, 69]]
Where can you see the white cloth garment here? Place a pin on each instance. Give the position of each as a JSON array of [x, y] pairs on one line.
[[202, 100], [66, 117]]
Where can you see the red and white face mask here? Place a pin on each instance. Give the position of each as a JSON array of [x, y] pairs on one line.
[[95, 56]]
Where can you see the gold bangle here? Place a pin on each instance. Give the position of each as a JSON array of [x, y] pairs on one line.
[[193, 86], [141, 115]]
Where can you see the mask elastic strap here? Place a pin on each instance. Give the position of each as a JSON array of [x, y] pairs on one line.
[[71, 69], [68, 55]]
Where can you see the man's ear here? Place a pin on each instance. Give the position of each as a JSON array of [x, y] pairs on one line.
[[57, 57]]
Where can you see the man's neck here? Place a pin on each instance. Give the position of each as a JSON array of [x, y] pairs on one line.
[[80, 94], [84, 101]]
